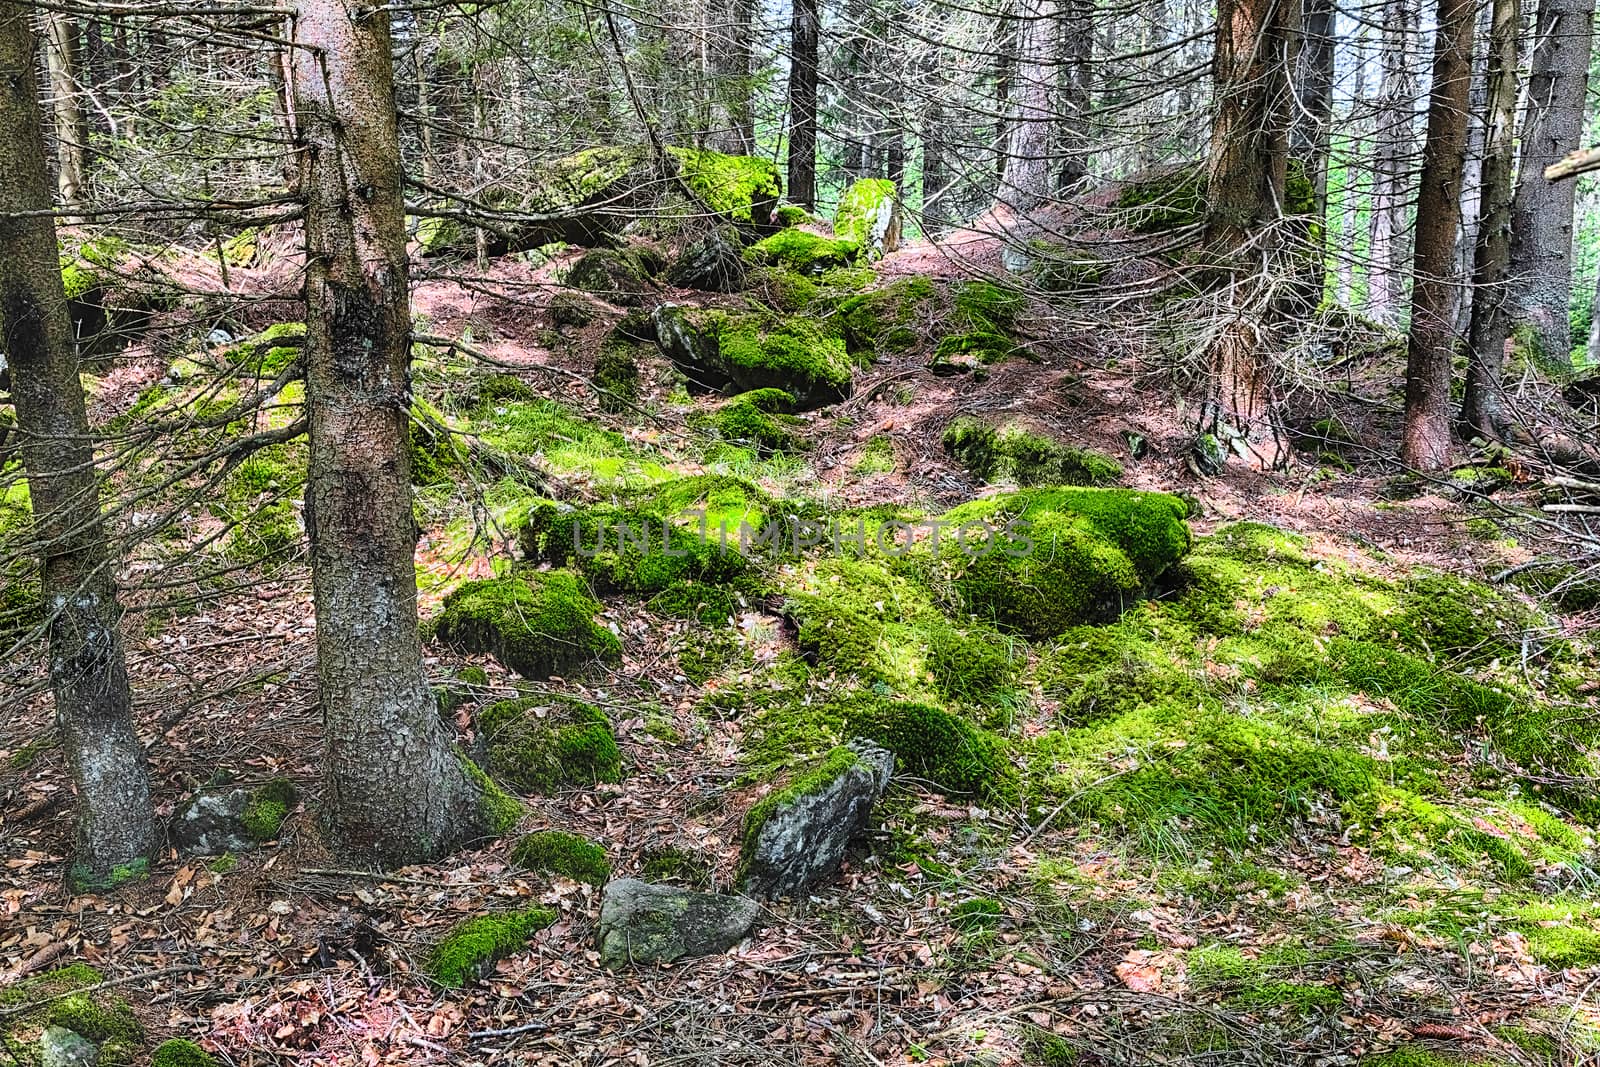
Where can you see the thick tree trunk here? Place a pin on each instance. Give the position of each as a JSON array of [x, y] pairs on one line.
[[71, 130], [804, 29], [1541, 213], [1426, 442], [1255, 48], [1025, 183], [94, 707], [396, 792], [1483, 409], [1392, 142]]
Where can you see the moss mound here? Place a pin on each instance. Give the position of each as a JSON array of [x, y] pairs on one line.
[[760, 419], [981, 329], [803, 252], [267, 807], [643, 548], [739, 352], [931, 743], [1015, 454], [565, 854], [892, 319], [711, 605], [471, 950], [181, 1052], [616, 375], [267, 353], [742, 188], [619, 275], [1059, 557], [539, 624], [61, 998], [538, 744]]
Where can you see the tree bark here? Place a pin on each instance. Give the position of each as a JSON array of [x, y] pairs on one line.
[[88, 673], [395, 790], [1314, 116], [1541, 213], [736, 132], [804, 28], [1255, 49], [1426, 441], [1025, 182], [1482, 408], [935, 175], [1392, 139], [1077, 50], [71, 129]]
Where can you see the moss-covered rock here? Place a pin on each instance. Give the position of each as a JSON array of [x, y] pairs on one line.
[[740, 352], [680, 532], [538, 744], [619, 275], [471, 950], [714, 263], [931, 743], [760, 419], [567, 855], [1059, 557], [868, 216], [268, 805], [568, 308], [803, 252], [1165, 201], [781, 289], [1016, 454], [66, 1011], [981, 329], [267, 353], [539, 624], [710, 605], [889, 320], [741, 188]]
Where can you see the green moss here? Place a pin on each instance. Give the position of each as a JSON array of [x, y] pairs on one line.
[[865, 211], [571, 309], [538, 744], [985, 304], [703, 656], [672, 865], [892, 319], [1417, 1056], [258, 499], [802, 252], [538, 624], [813, 780], [1013, 453], [473, 675], [616, 376], [1168, 202], [471, 950], [1062, 556], [102, 1018], [267, 353], [1467, 621], [759, 418], [620, 275], [181, 1052], [267, 807], [710, 605], [794, 354], [931, 743], [565, 854], [1258, 982], [875, 457], [82, 879], [977, 914], [743, 188], [498, 810], [791, 215], [437, 458], [562, 440], [503, 388], [783, 289]]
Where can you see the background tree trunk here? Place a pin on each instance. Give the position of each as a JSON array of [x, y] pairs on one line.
[[1541, 213], [1025, 181], [1482, 408], [804, 29], [1255, 49], [1426, 441], [396, 792], [94, 707], [1077, 50], [1314, 116], [71, 130], [1392, 139]]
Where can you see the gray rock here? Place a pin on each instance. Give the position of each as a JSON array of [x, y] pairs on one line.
[[713, 264], [644, 923], [211, 824], [800, 838], [60, 1047]]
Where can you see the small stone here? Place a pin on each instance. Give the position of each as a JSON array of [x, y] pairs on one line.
[[644, 923], [60, 1047], [211, 824], [799, 838]]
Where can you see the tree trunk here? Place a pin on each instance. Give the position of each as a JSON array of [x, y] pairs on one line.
[[1541, 213], [803, 32], [1392, 140], [1077, 48], [1472, 204], [1426, 441], [1255, 47], [935, 176], [1486, 345], [1314, 115], [71, 130], [395, 791], [736, 132], [94, 706], [1025, 183], [1355, 128]]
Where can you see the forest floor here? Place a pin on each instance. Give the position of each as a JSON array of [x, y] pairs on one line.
[[1317, 928]]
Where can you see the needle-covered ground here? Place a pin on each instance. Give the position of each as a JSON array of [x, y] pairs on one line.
[[1249, 769]]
